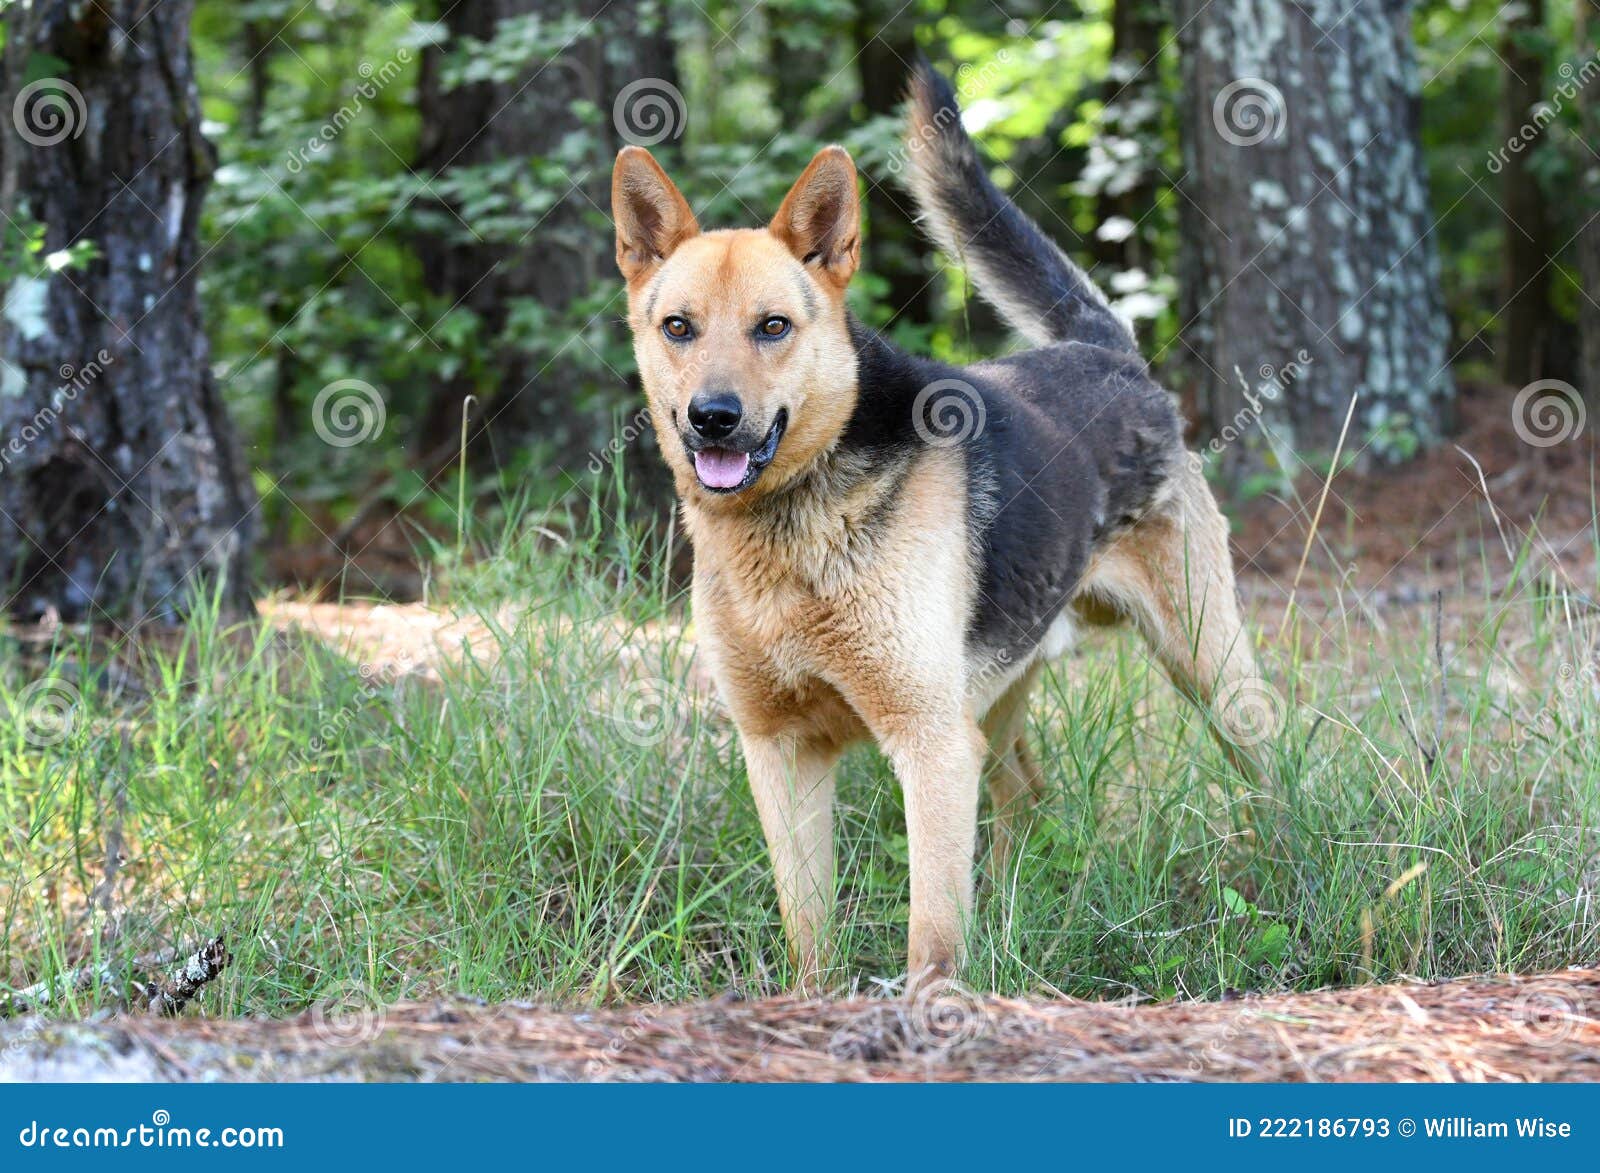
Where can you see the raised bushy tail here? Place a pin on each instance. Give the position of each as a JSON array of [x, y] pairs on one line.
[[1039, 292]]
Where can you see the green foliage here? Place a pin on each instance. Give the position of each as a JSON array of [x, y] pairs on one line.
[[314, 267]]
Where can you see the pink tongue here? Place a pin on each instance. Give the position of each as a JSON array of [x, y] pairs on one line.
[[718, 468]]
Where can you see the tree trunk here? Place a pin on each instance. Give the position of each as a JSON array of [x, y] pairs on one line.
[[1308, 268], [897, 251], [1588, 25], [562, 254], [794, 68], [1133, 115], [1525, 288], [121, 487]]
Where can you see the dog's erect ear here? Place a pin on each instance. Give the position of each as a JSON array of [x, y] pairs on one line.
[[651, 215], [820, 220]]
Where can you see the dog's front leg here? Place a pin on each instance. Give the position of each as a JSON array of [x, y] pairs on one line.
[[939, 761], [793, 781]]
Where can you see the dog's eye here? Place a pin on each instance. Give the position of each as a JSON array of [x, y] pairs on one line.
[[774, 327], [676, 328]]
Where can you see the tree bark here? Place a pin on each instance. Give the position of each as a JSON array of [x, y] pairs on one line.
[[1588, 28], [793, 68], [1525, 288], [897, 251], [1133, 94], [565, 254], [121, 486], [1308, 268]]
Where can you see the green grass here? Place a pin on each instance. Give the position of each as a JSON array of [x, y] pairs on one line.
[[557, 817]]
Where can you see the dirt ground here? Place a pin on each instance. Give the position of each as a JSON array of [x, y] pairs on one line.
[[1492, 1030], [1483, 490]]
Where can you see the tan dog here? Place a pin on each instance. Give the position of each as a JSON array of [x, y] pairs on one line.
[[890, 548]]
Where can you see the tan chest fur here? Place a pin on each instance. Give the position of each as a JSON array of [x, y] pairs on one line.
[[838, 611]]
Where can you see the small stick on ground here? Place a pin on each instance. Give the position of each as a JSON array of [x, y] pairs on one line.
[[167, 996], [202, 967]]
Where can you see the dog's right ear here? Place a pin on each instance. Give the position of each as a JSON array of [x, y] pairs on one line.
[[651, 215]]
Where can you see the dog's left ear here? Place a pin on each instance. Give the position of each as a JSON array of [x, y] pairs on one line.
[[820, 220]]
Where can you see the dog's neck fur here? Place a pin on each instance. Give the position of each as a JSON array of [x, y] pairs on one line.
[[825, 521]]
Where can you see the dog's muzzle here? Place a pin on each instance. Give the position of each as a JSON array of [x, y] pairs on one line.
[[730, 465]]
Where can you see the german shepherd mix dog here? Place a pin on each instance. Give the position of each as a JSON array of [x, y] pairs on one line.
[[888, 547]]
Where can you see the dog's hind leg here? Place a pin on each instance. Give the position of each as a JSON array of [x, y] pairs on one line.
[[1172, 575], [1016, 783]]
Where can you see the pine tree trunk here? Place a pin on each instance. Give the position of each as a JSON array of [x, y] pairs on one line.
[[1133, 95], [121, 488], [1525, 281], [793, 70], [1308, 270], [897, 250], [1588, 26], [564, 254]]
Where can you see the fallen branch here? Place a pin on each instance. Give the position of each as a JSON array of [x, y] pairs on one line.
[[202, 967], [167, 996]]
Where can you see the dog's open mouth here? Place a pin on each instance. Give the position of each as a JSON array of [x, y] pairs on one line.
[[727, 470]]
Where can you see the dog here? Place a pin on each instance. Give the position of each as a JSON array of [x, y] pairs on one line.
[[886, 547]]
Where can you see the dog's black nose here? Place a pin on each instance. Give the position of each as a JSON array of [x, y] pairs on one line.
[[715, 416]]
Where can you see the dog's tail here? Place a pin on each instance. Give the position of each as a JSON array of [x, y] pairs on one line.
[[1039, 292]]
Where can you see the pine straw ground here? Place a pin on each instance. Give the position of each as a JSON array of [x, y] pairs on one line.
[[1502, 1029]]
